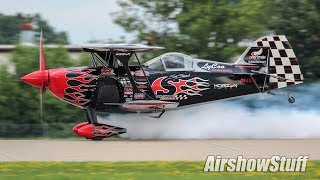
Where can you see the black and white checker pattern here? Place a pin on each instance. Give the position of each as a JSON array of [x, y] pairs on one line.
[[181, 97], [283, 61]]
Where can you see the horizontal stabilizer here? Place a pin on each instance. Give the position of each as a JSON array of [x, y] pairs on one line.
[[274, 76]]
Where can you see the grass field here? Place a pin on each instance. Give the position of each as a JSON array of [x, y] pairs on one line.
[[137, 170]]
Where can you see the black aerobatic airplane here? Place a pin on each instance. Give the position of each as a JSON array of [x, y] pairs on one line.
[[167, 82]]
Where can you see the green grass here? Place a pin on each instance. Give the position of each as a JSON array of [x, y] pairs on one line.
[[137, 170]]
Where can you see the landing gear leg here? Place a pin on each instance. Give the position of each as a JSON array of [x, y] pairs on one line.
[[92, 119], [96, 131], [159, 116], [92, 116], [291, 99], [162, 112]]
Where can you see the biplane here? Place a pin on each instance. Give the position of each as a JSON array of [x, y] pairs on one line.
[[167, 82]]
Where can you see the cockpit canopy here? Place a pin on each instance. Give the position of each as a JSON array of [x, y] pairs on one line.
[[171, 62]]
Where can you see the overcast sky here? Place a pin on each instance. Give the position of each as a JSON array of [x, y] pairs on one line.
[[83, 20]]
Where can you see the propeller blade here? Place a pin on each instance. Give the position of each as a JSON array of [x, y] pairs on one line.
[[41, 55], [42, 64], [42, 92]]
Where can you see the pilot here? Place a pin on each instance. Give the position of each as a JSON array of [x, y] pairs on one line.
[[173, 62]]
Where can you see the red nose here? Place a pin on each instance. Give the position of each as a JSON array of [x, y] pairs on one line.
[[37, 78]]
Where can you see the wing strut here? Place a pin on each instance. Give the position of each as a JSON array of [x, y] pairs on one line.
[[255, 83], [144, 73], [159, 116]]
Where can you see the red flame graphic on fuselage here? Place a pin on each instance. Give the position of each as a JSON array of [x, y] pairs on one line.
[[157, 87], [189, 87], [79, 82]]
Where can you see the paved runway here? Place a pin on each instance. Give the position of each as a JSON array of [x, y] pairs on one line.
[[152, 150]]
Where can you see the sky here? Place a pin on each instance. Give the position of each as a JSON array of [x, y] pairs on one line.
[[83, 20]]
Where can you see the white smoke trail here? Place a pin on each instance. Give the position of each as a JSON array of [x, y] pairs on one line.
[[220, 120]]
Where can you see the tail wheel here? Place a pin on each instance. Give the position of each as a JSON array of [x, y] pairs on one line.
[[291, 99]]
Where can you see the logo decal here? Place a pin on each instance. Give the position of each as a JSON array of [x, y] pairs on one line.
[[179, 76], [257, 53], [123, 54], [167, 97], [214, 67], [138, 95], [225, 86], [210, 66], [256, 56], [128, 90], [189, 87], [140, 73]]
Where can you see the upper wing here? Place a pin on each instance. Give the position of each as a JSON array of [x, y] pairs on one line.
[[119, 47]]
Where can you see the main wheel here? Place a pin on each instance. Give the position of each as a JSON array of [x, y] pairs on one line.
[[291, 99], [97, 138]]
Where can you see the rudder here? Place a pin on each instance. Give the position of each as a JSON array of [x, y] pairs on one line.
[[283, 67]]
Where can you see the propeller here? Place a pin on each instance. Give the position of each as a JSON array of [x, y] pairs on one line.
[[39, 78], [42, 67]]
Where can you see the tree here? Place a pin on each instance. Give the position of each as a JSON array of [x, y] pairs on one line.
[[207, 29], [10, 28], [50, 35], [300, 22]]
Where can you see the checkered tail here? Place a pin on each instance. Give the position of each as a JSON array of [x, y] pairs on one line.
[[283, 66]]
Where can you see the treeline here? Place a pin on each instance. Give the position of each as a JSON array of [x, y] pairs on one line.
[[213, 29]]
